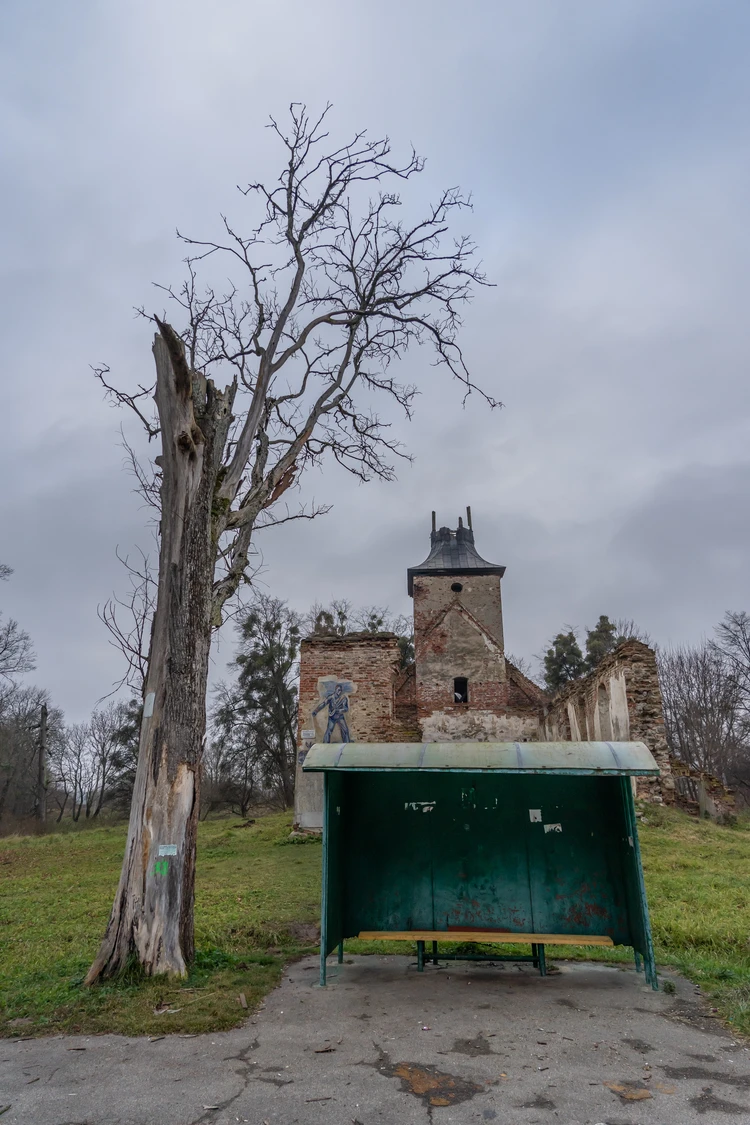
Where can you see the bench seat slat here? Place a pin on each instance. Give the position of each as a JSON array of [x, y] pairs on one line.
[[495, 937]]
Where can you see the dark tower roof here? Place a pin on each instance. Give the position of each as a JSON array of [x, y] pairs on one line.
[[452, 552]]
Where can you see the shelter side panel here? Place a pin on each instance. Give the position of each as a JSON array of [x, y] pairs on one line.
[[333, 875], [640, 935], [387, 852], [575, 833], [480, 863]]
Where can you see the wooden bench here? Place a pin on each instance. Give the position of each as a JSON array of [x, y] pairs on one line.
[[505, 937]]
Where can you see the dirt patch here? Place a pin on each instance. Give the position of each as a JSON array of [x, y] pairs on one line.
[[433, 1086], [707, 1102], [692, 1014], [472, 1047], [565, 1003], [307, 933], [741, 1081], [539, 1102], [639, 1045]]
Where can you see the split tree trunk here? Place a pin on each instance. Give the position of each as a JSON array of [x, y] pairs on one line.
[[152, 915]]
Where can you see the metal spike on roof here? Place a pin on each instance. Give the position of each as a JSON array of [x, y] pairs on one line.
[[453, 552]]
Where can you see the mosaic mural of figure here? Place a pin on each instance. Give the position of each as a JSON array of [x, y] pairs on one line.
[[334, 695]]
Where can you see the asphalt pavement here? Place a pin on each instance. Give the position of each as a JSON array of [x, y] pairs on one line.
[[384, 1045]]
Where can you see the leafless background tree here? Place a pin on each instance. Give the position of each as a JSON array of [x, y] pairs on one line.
[[706, 693]]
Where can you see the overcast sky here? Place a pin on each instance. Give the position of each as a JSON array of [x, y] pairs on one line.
[[606, 147]]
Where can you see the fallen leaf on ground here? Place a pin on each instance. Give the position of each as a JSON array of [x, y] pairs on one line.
[[323, 1050], [628, 1092]]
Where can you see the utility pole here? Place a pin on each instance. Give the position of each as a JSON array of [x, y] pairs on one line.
[[41, 788]]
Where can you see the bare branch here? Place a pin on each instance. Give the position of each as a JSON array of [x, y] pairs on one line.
[[122, 398], [128, 621]]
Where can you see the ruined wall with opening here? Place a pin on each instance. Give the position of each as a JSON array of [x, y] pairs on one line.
[[619, 701]]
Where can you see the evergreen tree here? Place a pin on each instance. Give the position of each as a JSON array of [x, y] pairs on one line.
[[600, 640], [256, 716], [563, 661]]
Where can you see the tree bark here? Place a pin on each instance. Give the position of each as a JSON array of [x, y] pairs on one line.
[[152, 915]]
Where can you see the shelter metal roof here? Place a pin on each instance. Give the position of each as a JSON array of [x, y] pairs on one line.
[[619, 758]]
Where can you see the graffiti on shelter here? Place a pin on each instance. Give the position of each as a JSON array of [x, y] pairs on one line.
[[333, 709]]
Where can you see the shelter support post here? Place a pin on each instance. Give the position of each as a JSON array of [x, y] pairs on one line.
[[649, 960]]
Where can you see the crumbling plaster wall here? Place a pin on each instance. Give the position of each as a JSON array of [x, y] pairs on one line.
[[619, 701], [460, 724]]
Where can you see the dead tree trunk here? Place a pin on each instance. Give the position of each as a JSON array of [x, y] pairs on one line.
[[152, 913], [314, 323], [41, 781]]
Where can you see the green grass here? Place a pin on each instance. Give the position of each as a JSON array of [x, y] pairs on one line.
[[252, 890], [255, 891]]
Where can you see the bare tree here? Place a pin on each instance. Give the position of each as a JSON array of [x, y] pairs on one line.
[[105, 746], [16, 649], [20, 714], [326, 292], [702, 710], [733, 642]]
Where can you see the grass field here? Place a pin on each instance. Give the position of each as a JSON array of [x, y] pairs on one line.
[[256, 898]]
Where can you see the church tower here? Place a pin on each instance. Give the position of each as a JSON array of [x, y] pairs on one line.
[[464, 690]]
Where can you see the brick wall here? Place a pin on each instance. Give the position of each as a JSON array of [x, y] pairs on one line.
[[459, 633], [370, 661], [405, 722]]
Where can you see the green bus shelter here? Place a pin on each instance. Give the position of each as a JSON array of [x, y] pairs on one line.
[[523, 843]]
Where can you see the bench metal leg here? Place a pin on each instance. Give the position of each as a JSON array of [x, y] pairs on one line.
[[434, 953], [420, 956], [638, 962], [341, 953], [542, 961], [535, 955]]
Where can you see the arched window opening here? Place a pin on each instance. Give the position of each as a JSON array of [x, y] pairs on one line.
[[461, 690], [605, 722]]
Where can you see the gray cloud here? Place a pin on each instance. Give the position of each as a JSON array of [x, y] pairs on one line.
[[604, 144]]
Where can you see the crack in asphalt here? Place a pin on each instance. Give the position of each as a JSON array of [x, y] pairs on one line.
[[241, 1057]]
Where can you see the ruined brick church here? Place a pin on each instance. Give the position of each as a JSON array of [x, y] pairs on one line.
[[461, 687]]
